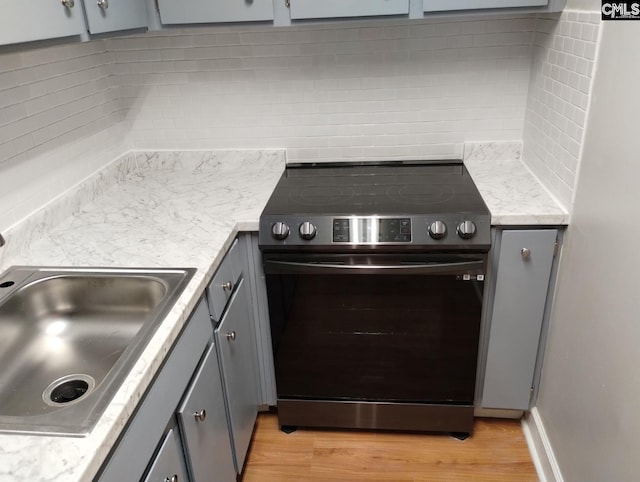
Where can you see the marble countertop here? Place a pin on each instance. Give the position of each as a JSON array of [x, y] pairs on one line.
[[513, 195], [180, 209], [147, 210]]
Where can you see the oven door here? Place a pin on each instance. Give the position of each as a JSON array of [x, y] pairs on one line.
[[382, 328]]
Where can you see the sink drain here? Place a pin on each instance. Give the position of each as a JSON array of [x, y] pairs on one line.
[[68, 390]]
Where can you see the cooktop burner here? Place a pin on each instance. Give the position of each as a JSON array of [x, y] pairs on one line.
[[321, 195], [421, 194], [370, 205]]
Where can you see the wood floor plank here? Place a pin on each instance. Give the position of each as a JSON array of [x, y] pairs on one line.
[[496, 452]]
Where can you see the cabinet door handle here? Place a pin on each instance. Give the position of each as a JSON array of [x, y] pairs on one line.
[[228, 286], [68, 3], [525, 253], [103, 4], [231, 336], [200, 415], [173, 478]]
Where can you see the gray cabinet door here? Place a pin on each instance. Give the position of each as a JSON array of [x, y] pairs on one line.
[[518, 309], [135, 449], [203, 421], [113, 15], [201, 11], [444, 5], [169, 463], [236, 350], [301, 9], [38, 20]]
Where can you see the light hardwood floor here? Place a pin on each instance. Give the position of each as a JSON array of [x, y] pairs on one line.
[[497, 451]]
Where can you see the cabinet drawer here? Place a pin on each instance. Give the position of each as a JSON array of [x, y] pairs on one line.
[[203, 421], [224, 280], [169, 463]]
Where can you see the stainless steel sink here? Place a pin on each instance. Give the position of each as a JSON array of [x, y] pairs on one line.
[[69, 337]]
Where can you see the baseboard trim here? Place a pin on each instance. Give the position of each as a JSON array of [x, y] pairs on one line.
[[540, 447]]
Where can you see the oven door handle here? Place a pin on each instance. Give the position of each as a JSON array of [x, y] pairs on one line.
[[474, 267]]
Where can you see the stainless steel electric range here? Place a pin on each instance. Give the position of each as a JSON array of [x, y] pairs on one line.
[[375, 276]]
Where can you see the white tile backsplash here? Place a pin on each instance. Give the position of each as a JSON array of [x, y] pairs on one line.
[[562, 68], [59, 109], [349, 91]]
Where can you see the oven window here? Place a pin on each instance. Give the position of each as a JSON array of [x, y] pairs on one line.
[[379, 337]]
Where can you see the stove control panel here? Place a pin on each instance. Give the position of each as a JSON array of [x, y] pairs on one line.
[[393, 232], [371, 230]]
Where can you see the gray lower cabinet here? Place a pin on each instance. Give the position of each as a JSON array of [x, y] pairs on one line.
[[200, 11], [155, 414], [524, 265], [196, 447], [169, 464], [307, 9], [203, 423], [196, 420], [237, 354]]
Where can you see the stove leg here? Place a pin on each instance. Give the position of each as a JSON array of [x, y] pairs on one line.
[[460, 435], [288, 428]]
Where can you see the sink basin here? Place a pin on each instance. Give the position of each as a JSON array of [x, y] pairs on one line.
[[69, 337]]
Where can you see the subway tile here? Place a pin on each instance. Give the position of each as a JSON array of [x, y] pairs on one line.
[[356, 90]]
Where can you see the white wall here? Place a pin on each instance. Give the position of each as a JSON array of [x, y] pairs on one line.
[[590, 388], [356, 90]]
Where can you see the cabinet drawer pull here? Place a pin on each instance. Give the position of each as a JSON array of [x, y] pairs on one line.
[[525, 253], [173, 478], [200, 415], [231, 336], [68, 3], [228, 286]]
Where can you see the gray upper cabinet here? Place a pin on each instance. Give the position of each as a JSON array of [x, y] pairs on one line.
[[113, 15], [237, 354], [445, 5], [39, 20], [522, 282], [203, 422], [307, 9], [202, 11]]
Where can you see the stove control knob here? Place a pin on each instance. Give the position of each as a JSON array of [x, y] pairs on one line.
[[437, 230], [466, 229], [279, 231], [307, 231]]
